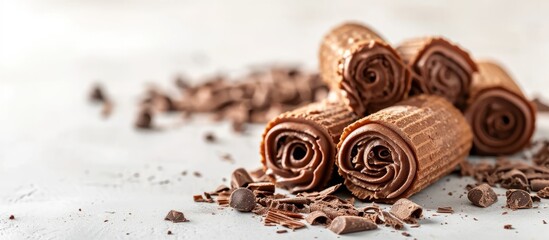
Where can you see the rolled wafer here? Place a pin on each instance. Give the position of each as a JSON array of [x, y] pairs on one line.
[[299, 147], [501, 117], [402, 149], [439, 67], [367, 72]]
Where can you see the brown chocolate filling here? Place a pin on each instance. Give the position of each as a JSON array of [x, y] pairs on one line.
[[444, 72], [501, 121], [299, 155], [374, 78], [377, 161]]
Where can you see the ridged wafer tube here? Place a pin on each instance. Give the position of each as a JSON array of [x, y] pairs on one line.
[[501, 117], [400, 150], [366, 71], [299, 147], [439, 67]]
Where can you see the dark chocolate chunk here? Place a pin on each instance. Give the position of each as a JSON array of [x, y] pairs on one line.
[[518, 199], [242, 199], [240, 178], [350, 224], [407, 211], [482, 195], [176, 217]]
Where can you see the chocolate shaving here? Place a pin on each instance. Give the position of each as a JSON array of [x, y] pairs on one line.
[[265, 187], [259, 175], [482, 195], [318, 217], [333, 210], [445, 210], [350, 224], [210, 137], [407, 211], [518, 199], [282, 219], [538, 184], [240, 178], [392, 221], [176, 217], [540, 105]]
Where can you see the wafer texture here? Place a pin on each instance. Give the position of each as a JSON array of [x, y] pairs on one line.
[[401, 150]]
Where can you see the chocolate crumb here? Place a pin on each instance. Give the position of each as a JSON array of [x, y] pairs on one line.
[[240, 178], [175, 216], [281, 231], [242, 199], [80, 209], [544, 222], [169, 232], [197, 174], [210, 137], [12, 217], [508, 226], [543, 193], [144, 119], [406, 234], [97, 94]]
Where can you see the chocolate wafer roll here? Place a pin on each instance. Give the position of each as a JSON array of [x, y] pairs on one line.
[[402, 149], [439, 67], [367, 72], [501, 117], [299, 147]]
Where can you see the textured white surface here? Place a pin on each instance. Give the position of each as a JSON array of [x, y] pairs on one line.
[[57, 155]]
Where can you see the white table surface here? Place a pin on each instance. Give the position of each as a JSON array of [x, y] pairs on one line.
[[57, 155]]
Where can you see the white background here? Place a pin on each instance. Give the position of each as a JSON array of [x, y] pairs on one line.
[[58, 155]]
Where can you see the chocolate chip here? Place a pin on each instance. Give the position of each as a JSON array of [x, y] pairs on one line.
[[350, 224], [518, 199], [407, 211], [482, 195], [242, 199], [197, 174], [240, 178], [176, 217]]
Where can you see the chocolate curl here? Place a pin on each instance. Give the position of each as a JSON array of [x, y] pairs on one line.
[[402, 149], [367, 72], [440, 67], [299, 147], [501, 117]]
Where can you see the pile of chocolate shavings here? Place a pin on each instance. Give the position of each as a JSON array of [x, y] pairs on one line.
[[256, 97], [252, 192]]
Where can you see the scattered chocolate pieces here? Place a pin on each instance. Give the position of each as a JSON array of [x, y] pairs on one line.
[[445, 210], [240, 178], [514, 179], [482, 195], [543, 193], [350, 224], [317, 217], [407, 211], [242, 199], [176, 217], [518, 199], [508, 226]]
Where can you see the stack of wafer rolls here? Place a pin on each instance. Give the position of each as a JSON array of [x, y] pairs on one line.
[[502, 119], [439, 67], [400, 150], [367, 72], [299, 147]]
